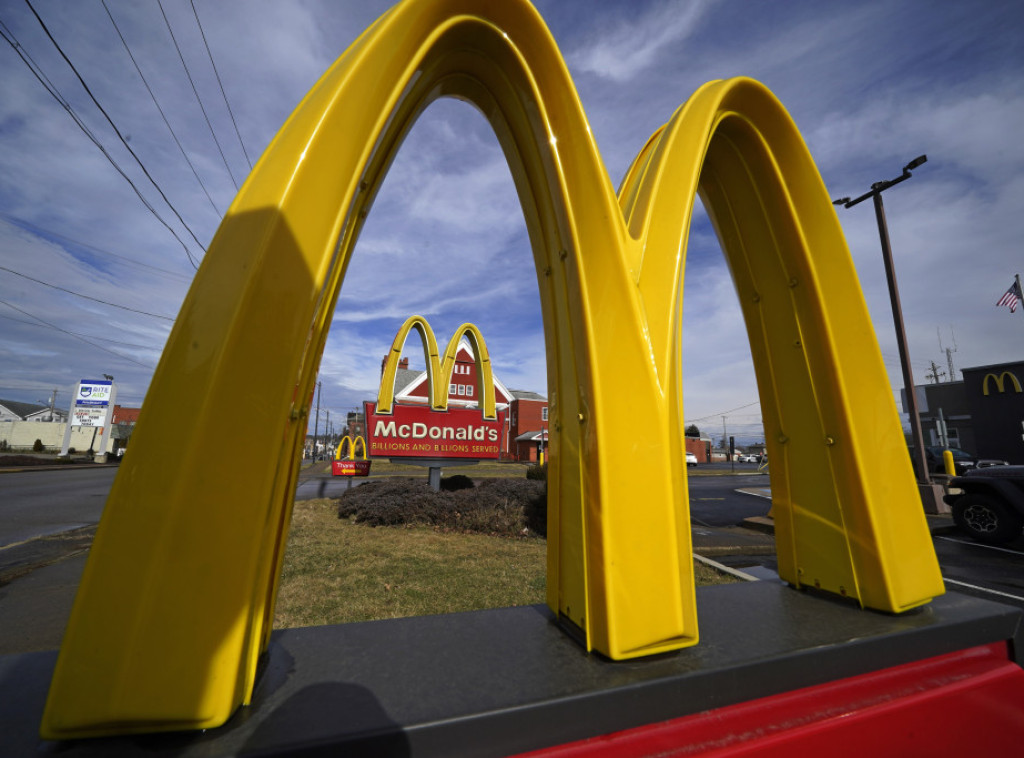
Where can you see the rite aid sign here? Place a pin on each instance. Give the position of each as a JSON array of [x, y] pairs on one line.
[[91, 403]]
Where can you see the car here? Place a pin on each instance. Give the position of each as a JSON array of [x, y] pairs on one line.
[[746, 458], [691, 459], [962, 460], [988, 503]]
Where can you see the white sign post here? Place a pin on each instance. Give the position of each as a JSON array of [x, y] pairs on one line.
[[92, 405]]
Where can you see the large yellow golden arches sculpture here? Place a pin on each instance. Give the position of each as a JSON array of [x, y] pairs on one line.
[[177, 598]]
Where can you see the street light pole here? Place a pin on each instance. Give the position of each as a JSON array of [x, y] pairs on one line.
[[897, 311]]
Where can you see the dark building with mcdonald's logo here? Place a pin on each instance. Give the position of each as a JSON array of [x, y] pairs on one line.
[[984, 413]]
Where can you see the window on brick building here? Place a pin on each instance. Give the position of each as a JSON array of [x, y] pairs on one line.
[[544, 413]]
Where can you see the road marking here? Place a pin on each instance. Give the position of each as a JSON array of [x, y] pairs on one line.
[[983, 589], [981, 544], [764, 492]]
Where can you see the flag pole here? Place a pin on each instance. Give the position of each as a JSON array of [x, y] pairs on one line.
[[1016, 278]]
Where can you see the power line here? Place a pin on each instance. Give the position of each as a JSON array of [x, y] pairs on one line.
[[85, 297], [196, 92], [219, 82], [65, 331], [722, 413], [27, 59], [116, 130], [50, 233], [162, 114], [78, 334]]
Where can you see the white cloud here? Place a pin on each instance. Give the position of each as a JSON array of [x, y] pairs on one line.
[[623, 46]]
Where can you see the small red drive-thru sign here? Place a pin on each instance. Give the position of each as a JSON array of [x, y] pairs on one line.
[[350, 468]]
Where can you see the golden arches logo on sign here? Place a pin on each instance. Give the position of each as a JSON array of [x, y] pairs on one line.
[[848, 515], [437, 431], [439, 370], [353, 446], [1000, 382]]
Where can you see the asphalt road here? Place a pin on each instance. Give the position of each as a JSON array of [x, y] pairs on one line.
[[987, 571], [38, 503], [717, 501], [991, 572]]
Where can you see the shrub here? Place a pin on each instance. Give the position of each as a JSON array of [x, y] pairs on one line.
[[536, 512], [3, 445], [457, 482], [37, 446], [537, 473], [506, 507]]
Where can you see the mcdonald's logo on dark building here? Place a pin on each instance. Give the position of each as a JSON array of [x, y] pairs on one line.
[[995, 397], [1000, 381]]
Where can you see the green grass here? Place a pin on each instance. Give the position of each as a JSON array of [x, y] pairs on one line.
[[336, 571]]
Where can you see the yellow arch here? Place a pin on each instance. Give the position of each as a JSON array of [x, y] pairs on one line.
[[438, 395], [353, 445], [439, 372], [1000, 382], [176, 601], [485, 376]]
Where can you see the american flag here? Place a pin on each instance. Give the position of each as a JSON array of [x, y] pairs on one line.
[[1011, 297]]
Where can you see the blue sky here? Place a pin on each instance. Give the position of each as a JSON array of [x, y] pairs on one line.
[[871, 85]]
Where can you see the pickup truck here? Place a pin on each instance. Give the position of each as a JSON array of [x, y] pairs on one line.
[[988, 503]]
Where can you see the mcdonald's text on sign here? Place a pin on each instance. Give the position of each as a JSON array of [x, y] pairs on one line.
[[412, 431]]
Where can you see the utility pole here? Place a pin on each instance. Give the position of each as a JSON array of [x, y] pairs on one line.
[[316, 422], [935, 375], [875, 193], [725, 437], [53, 402]]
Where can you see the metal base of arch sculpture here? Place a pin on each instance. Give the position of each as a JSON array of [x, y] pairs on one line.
[[176, 603]]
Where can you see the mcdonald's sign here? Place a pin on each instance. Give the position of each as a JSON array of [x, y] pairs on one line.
[[440, 431], [154, 644], [350, 466], [1000, 382]]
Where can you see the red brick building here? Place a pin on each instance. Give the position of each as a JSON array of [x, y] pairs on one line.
[[527, 426]]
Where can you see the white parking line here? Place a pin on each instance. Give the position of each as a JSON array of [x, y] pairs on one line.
[[764, 492], [980, 544], [983, 589]]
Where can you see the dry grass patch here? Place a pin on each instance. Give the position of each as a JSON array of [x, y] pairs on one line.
[[336, 571]]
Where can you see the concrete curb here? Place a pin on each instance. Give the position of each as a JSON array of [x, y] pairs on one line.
[[57, 467], [725, 569]]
